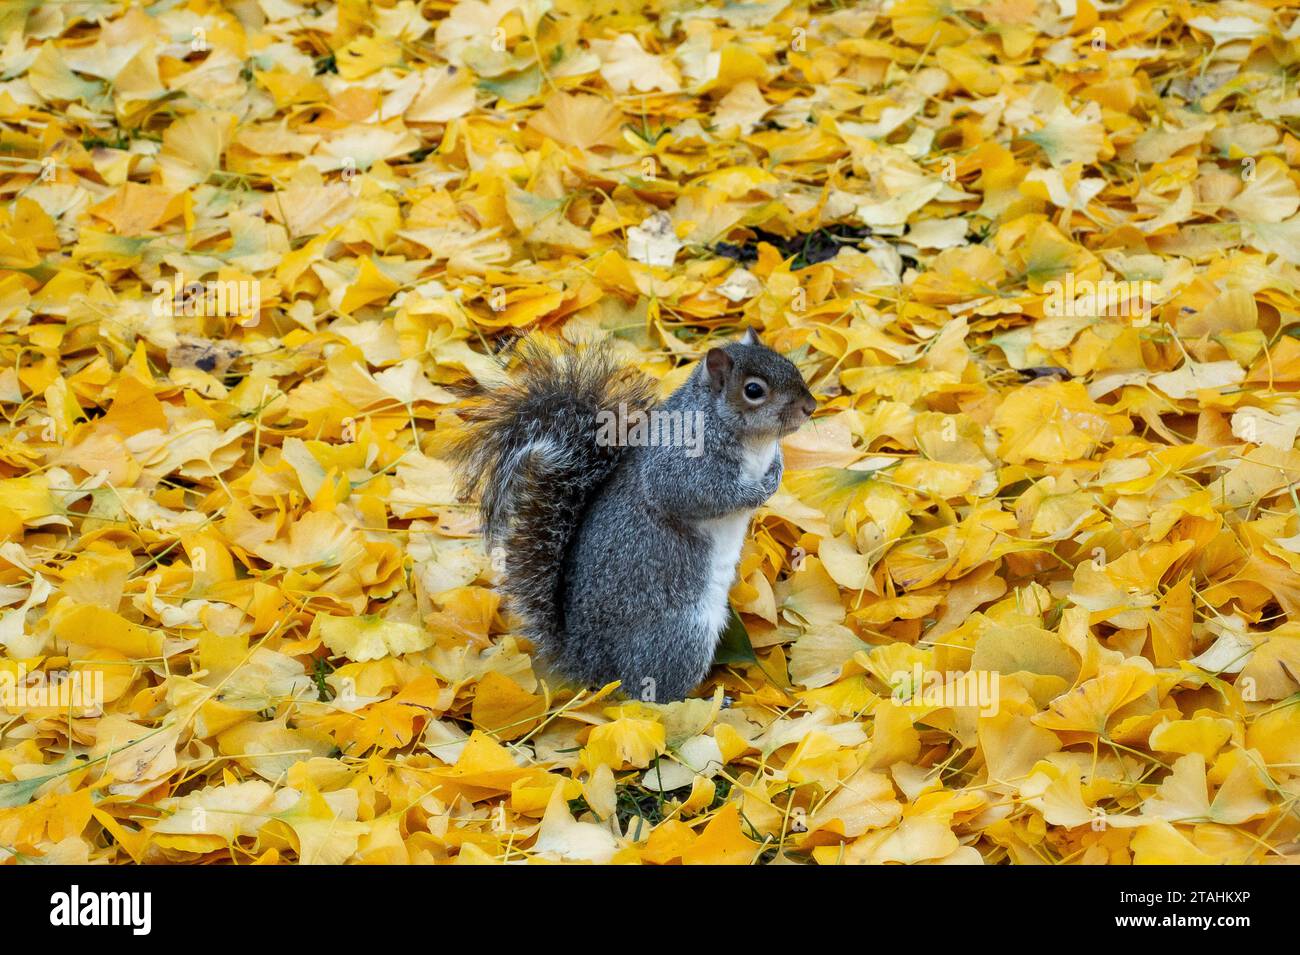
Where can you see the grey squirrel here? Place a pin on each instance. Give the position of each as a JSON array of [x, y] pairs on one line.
[[619, 551]]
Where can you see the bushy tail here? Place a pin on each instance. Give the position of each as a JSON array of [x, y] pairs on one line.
[[530, 450]]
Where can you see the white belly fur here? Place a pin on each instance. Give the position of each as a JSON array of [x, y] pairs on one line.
[[727, 534], [756, 461]]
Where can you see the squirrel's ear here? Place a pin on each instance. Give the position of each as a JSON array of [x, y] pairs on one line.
[[718, 363], [750, 337]]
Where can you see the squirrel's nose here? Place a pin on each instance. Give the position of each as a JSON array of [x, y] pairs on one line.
[[809, 405]]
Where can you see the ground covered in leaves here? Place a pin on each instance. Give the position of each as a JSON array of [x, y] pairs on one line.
[[1025, 594]]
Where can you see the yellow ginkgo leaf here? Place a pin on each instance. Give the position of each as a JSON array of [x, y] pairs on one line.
[[624, 742], [1088, 707], [371, 638]]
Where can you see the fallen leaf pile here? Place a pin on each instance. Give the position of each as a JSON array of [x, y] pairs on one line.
[[1026, 592]]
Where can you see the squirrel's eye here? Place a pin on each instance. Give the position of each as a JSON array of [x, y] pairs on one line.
[[755, 390]]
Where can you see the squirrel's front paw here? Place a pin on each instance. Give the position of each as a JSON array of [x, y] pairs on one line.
[[772, 479]]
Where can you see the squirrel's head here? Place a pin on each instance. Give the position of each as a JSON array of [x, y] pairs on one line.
[[759, 393]]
